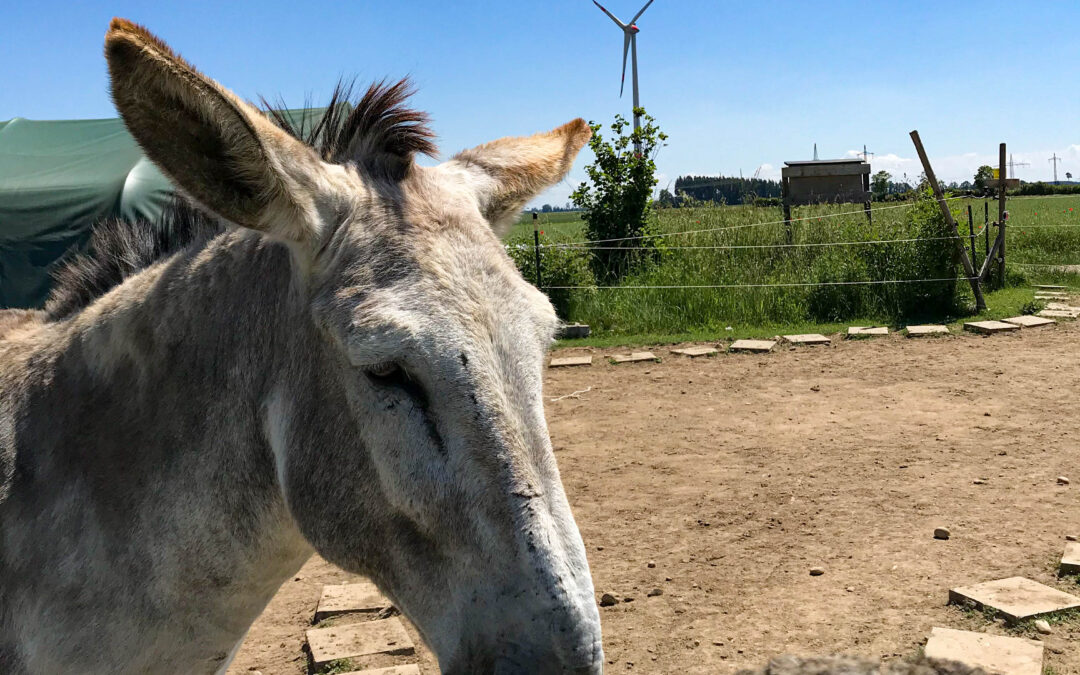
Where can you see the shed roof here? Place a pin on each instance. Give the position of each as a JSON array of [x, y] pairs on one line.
[[825, 161]]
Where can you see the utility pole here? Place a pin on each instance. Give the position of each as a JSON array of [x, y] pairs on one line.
[[1013, 165], [866, 155], [1055, 159]]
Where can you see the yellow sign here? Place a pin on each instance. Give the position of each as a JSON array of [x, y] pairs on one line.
[[996, 172]]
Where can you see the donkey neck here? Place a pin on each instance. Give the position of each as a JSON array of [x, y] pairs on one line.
[[151, 463]]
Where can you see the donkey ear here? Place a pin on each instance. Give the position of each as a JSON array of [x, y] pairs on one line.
[[514, 170], [217, 148]]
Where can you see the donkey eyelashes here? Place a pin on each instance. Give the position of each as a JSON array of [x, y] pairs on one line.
[[381, 371]]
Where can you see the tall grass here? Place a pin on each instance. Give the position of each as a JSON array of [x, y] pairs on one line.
[[628, 310]]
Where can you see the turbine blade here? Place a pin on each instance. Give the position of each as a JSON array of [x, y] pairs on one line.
[[618, 23], [642, 11], [625, 48]]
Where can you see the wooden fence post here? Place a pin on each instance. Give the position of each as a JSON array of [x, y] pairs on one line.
[[980, 303], [536, 251], [971, 235], [1002, 215]]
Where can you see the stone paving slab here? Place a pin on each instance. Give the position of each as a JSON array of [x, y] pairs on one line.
[[634, 358], [1016, 598], [860, 331], [996, 654], [1062, 306], [1070, 560], [989, 327], [1059, 313], [1029, 321], [1050, 294], [359, 639], [1048, 287], [695, 351], [756, 346], [347, 598], [571, 361], [916, 331], [807, 339], [410, 669]]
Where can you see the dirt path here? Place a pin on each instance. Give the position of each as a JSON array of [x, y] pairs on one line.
[[737, 474]]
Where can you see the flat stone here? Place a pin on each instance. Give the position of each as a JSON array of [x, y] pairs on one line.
[[942, 533], [695, 351], [634, 358], [1048, 287], [807, 339], [1029, 321], [387, 636], [916, 331], [1059, 313], [410, 669], [1062, 306], [566, 361], [756, 346], [347, 598], [998, 655], [988, 327], [1047, 295], [860, 331], [1016, 598], [1070, 560]]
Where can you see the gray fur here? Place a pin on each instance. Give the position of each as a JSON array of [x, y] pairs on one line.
[[176, 448], [853, 665]]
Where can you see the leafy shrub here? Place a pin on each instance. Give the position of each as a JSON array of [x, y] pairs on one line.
[[559, 266], [618, 202]]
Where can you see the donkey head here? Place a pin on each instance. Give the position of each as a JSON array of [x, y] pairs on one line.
[[408, 429]]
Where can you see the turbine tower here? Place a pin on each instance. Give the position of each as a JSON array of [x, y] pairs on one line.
[[630, 31]]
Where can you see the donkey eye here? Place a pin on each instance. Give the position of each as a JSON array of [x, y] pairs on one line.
[[383, 371]]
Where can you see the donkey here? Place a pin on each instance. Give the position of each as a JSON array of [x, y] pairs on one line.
[[353, 367]]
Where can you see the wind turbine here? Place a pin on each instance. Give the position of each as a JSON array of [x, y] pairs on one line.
[[630, 31]]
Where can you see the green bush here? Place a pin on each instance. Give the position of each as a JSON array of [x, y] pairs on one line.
[[618, 202], [558, 267]]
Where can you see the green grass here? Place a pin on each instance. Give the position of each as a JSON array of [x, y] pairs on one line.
[[1040, 230]]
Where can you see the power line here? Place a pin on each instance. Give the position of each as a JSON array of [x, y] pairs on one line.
[[1055, 159]]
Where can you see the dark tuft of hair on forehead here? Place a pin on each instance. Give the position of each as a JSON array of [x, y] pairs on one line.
[[379, 133]]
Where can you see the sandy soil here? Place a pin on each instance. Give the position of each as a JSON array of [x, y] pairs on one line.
[[736, 474]]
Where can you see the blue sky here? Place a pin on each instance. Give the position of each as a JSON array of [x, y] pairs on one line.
[[735, 85]]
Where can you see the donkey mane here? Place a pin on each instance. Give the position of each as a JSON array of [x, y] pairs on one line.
[[378, 133]]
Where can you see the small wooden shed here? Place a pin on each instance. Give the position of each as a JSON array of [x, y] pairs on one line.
[[825, 181]]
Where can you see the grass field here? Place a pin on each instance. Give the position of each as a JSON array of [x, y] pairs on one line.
[[1042, 231]]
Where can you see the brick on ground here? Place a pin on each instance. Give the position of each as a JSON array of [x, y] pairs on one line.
[[993, 653], [1059, 313], [693, 352], [861, 331], [567, 361], [917, 331], [756, 346], [807, 339], [1029, 321], [1070, 560], [387, 636], [634, 357], [410, 669], [361, 597], [1016, 598], [990, 327]]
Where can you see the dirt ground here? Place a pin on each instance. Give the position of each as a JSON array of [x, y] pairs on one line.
[[738, 473]]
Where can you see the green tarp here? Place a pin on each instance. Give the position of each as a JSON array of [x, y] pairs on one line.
[[57, 179]]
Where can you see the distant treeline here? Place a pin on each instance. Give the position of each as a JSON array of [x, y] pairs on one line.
[[720, 190], [1041, 188]]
